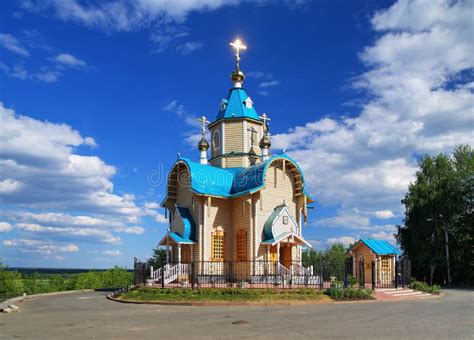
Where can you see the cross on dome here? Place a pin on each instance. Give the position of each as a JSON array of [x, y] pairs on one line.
[[265, 119], [203, 121], [237, 45]]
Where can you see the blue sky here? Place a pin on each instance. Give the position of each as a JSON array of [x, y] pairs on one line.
[[98, 97]]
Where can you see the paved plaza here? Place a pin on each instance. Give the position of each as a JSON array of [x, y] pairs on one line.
[[91, 315]]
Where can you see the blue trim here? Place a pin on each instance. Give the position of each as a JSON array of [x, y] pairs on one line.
[[178, 239]]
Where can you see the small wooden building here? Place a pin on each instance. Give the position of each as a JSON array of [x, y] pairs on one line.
[[374, 256]]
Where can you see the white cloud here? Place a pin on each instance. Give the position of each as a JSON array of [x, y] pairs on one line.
[[419, 102], [40, 171], [189, 47], [9, 185], [12, 44], [160, 218], [112, 252], [124, 15], [382, 235], [40, 247], [345, 240], [346, 221], [5, 227], [267, 84], [384, 214], [75, 233], [151, 205], [175, 107], [65, 59]]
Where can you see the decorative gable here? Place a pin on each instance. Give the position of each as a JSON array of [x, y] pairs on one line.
[[280, 222], [248, 103], [223, 105]]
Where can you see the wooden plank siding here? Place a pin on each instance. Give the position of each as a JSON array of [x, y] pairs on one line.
[[247, 213]]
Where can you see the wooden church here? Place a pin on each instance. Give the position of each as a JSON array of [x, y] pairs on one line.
[[238, 203]]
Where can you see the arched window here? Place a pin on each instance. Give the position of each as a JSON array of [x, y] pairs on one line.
[[217, 245], [216, 140]]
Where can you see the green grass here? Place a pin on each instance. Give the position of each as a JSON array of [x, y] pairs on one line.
[[229, 294], [424, 287], [349, 294]]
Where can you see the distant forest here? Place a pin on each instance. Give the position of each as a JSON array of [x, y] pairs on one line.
[[19, 281]]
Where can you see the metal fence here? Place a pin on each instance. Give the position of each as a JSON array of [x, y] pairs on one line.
[[267, 274]]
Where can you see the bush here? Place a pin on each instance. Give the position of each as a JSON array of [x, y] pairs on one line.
[[348, 293], [425, 287], [12, 283]]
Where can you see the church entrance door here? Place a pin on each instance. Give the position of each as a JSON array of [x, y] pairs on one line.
[[285, 256], [186, 253]]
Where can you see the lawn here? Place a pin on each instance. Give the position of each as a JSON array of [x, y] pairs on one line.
[[230, 294]]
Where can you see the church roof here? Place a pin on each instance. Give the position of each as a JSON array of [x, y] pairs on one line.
[[189, 230], [237, 105], [231, 182], [188, 221], [379, 247]]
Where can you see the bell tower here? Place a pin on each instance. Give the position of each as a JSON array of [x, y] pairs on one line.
[[238, 129]]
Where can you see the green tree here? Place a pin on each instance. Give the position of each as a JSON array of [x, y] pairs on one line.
[[158, 259], [332, 260], [441, 197]]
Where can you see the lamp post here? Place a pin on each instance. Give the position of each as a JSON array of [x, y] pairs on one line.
[[446, 245]]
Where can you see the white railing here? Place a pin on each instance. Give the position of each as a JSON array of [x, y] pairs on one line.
[[156, 274], [282, 270], [298, 269]]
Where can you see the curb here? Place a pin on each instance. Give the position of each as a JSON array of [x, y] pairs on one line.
[[5, 306], [236, 303], [217, 304]]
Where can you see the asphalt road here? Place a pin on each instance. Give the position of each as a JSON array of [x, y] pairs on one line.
[[91, 315]]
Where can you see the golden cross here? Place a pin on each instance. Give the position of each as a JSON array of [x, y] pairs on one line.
[[203, 121], [237, 45], [265, 119]]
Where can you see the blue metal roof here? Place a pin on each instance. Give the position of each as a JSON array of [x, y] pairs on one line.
[[189, 226], [235, 106], [231, 182], [380, 247], [178, 239]]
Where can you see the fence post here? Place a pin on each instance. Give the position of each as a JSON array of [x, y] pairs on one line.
[[192, 274], [396, 274], [346, 280], [275, 263], [373, 275], [321, 279], [162, 276], [230, 274]]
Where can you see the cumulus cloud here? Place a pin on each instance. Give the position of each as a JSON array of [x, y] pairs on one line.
[[43, 179], [419, 101], [112, 252], [5, 227], [41, 247], [384, 214], [12, 44], [345, 240]]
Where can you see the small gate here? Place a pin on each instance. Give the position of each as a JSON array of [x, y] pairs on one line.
[[140, 272], [388, 273]]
